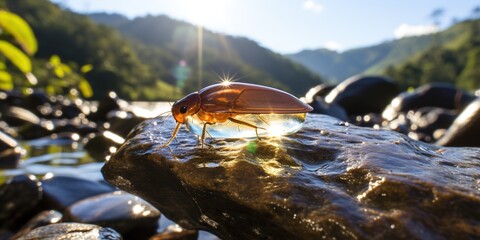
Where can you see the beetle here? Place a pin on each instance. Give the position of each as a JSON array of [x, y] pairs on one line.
[[222, 102]]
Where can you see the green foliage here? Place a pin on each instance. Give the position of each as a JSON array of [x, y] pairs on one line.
[[20, 30], [21, 33], [65, 79], [17, 57]]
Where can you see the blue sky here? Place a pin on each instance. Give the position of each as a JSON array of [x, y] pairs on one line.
[[288, 26]]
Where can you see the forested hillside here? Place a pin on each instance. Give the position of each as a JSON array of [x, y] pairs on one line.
[[174, 40], [409, 60], [154, 57], [455, 60]]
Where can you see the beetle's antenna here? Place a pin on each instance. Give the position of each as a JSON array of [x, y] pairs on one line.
[[175, 131], [159, 115], [165, 119]]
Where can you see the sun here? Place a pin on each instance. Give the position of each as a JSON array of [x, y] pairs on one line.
[[203, 12]]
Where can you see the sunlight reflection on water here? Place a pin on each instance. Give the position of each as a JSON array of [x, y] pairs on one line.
[[66, 156]]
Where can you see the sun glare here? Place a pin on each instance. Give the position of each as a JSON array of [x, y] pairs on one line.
[[206, 11]]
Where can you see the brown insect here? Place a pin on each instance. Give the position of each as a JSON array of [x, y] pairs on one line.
[[224, 102]]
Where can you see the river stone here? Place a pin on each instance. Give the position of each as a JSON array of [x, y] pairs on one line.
[[10, 151], [329, 180], [121, 122], [124, 212], [62, 191], [72, 231], [101, 145], [18, 196], [442, 95], [465, 130], [360, 95], [41, 219]]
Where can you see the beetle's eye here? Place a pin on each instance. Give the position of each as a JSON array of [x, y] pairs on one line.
[[183, 109]]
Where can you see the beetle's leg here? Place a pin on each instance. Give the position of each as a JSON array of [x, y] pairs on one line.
[[262, 119], [175, 131], [204, 130], [246, 124]]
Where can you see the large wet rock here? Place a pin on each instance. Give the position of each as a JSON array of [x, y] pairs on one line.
[[329, 180]]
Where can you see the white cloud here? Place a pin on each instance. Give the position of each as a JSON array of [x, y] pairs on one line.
[[313, 6], [332, 45], [406, 30]]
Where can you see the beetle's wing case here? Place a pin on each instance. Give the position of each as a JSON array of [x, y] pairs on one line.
[[244, 98]]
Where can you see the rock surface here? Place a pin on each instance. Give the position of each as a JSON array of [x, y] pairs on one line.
[[329, 180]]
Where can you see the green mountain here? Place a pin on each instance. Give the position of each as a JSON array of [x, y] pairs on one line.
[[153, 57], [453, 58], [376, 59], [337, 66], [222, 54]]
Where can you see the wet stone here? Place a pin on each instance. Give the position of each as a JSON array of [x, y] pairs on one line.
[[360, 95], [465, 130], [18, 116], [124, 212], [72, 231], [111, 102], [103, 144], [18, 195], [62, 191], [329, 180], [121, 122], [331, 109], [441, 95], [41, 219], [10, 151]]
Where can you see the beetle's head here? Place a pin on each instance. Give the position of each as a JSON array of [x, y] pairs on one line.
[[186, 106]]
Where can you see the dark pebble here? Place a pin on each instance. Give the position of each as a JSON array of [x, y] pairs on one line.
[[43, 218], [360, 95], [121, 122], [18, 196], [465, 130], [10, 151], [62, 191], [72, 231], [109, 103], [124, 212], [102, 145], [440, 95]]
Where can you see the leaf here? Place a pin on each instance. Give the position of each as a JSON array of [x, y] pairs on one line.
[[86, 68], [6, 82], [66, 68], [54, 60], [20, 30], [85, 88], [17, 57], [59, 72]]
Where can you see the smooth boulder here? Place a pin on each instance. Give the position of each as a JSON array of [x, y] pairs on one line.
[[329, 180]]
